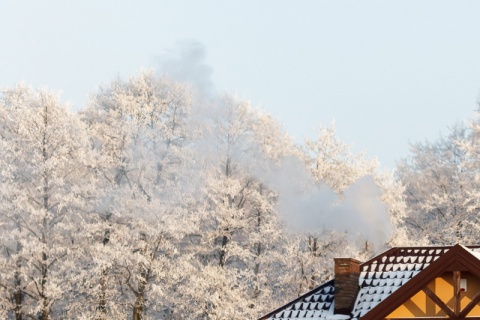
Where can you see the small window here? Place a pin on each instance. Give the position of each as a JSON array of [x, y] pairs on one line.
[[463, 285]]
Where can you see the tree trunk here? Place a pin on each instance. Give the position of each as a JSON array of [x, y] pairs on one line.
[[18, 294], [45, 314], [223, 251], [44, 264], [18, 298], [256, 270], [313, 246], [138, 307], [258, 252], [102, 300]]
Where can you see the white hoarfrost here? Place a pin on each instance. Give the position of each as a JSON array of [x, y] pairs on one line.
[[160, 201]]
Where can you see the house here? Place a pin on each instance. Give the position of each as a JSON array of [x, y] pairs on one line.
[[426, 283]]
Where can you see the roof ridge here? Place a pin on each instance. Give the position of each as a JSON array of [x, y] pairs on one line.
[[394, 250]]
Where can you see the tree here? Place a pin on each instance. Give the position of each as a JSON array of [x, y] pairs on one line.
[[233, 251], [152, 203], [439, 180], [140, 129], [44, 186], [332, 162]]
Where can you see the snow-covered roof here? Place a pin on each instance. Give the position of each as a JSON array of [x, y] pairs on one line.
[[316, 304], [384, 274], [379, 278], [474, 251]]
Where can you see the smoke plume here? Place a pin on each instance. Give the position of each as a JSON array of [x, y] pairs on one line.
[[186, 63], [309, 207], [304, 205]]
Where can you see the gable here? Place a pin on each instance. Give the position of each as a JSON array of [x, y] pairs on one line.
[[421, 305], [381, 276], [448, 266]]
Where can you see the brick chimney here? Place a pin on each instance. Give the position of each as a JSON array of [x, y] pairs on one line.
[[347, 271]]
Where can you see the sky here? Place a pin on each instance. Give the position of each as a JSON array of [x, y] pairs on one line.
[[388, 73]]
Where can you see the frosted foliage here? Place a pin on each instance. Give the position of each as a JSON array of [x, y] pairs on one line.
[[140, 130], [311, 259], [238, 229], [45, 188], [439, 180], [332, 162], [155, 202]]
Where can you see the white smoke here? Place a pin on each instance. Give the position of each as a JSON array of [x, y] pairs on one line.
[[186, 63], [304, 205], [362, 212], [309, 207]]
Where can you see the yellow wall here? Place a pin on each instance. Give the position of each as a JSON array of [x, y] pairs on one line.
[[421, 306]]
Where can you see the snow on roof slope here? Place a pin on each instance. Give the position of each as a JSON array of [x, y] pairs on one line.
[[474, 251], [385, 273], [316, 304]]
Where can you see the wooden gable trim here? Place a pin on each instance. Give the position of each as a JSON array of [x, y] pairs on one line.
[[456, 292], [439, 302], [457, 256], [470, 306]]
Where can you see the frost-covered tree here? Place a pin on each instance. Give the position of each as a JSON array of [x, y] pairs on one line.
[[332, 162], [238, 227], [310, 259], [155, 204], [439, 178], [139, 127], [44, 187]]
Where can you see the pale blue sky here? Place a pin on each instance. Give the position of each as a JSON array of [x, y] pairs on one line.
[[388, 72]]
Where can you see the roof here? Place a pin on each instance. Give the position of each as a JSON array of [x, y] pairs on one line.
[[379, 279], [386, 273], [455, 258], [315, 304]]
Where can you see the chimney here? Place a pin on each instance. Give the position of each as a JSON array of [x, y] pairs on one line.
[[347, 271]]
